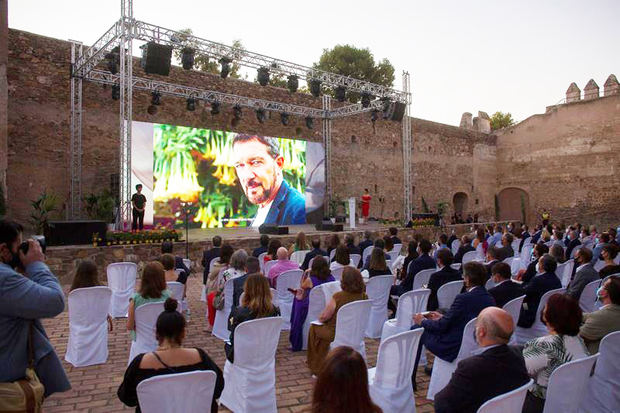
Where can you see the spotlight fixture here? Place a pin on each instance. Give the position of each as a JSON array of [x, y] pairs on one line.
[[284, 118], [315, 87], [309, 122], [237, 113], [215, 107], [293, 83], [191, 104], [386, 107], [341, 93], [263, 76], [366, 98], [374, 115], [225, 63], [155, 98], [261, 115], [116, 92], [113, 60], [187, 58]]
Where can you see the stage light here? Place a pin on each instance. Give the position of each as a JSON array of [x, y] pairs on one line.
[[225, 63], [113, 60], [215, 108], [293, 83], [386, 107], [116, 92], [284, 118], [155, 98], [237, 113], [315, 87], [191, 104], [187, 58], [152, 109], [366, 98], [309, 122], [340, 93], [374, 115], [263, 76], [261, 115]]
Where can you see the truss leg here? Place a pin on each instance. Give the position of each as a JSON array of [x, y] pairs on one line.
[[75, 209], [407, 149], [327, 144]]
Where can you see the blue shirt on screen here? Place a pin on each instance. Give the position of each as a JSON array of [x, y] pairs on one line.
[[288, 207]]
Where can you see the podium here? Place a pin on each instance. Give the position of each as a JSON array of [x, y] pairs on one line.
[[352, 212]]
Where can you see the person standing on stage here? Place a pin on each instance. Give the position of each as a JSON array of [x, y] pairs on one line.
[[138, 202], [366, 204]]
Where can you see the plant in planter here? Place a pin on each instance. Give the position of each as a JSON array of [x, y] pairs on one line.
[[101, 206], [42, 208], [2, 202]]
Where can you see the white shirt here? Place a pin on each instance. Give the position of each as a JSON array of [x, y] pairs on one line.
[[261, 215]]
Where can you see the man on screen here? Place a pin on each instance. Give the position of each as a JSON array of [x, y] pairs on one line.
[[259, 164]]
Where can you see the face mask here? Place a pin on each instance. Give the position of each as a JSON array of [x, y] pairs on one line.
[[599, 292]]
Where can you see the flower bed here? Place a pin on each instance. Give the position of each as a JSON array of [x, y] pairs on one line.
[[142, 237]]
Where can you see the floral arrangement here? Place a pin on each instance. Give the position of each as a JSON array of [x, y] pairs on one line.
[[143, 237], [423, 222]]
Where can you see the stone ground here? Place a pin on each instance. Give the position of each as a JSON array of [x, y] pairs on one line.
[[94, 387]]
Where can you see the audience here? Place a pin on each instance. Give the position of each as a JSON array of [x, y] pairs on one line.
[[573, 241], [367, 242], [496, 237], [166, 248], [379, 243], [210, 255], [213, 281], [480, 241], [423, 262], [505, 289], [393, 232], [272, 249], [86, 275], [557, 252], [603, 240], [492, 259], [256, 303], [283, 264], [321, 336], [464, 248], [300, 243], [495, 369], [505, 250], [169, 358], [389, 245], [332, 243], [319, 274], [412, 254], [167, 261], [264, 243], [316, 250], [598, 324], [349, 240], [534, 290], [528, 274], [152, 290], [341, 258], [444, 275], [443, 333], [377, 264], [608, 254], [251, 266], [342, 384], [584, 274], [441, 244], [543, 355]]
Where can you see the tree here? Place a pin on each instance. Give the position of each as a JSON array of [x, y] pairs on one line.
[[348, 60], [501, 120]]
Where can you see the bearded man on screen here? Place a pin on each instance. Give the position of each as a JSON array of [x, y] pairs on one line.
[[259, 164]]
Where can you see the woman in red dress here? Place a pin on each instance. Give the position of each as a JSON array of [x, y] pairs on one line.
[[366, 204]]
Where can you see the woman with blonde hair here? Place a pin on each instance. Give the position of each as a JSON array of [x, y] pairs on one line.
[[300, 244]]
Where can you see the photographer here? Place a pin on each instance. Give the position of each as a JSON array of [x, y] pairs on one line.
[[24, 298]]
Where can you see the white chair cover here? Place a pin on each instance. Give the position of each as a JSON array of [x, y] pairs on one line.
[[250, 382], [187, 262], [526, 254], [397, 263], [422, 277], [515, 246], [146, 317], [397, 248], [568, 384], [442, 370], [213, 262], [267, 267], [390, 382], [515, 266], [88, 326], [329, 289], [513, 307], [393, 255], [511, 402], [220, 325], [316, 303], [299, 256], [455, 266], [332, 254], [489, 284], [286, 280], [176, 289], [603, 395], [312, 259], [122, 282], [456, 244], [538, 329], [351, 323], [378, 291], [448, 292], [261, 262], [509, 261], [600, 264], [337, 273], [564, 271], [479, 253], [409, 303], [587, 300], [355, 259], [470, 256], [168, 392], [366, 253]]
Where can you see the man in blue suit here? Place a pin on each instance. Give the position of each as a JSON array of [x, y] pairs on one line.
[[443, 333], [535, 289], [258, 164]]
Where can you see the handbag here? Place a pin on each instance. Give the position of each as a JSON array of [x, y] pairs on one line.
[[24, 395]]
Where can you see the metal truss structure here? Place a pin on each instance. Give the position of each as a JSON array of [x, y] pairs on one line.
[[118, 40], [327, 144], [407, 149]]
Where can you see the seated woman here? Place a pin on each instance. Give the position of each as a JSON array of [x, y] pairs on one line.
[[272, 250], [256, 303], [87, 275], [557, 252], [341, 258], [332, 243], [377, 264], [300, 244], [169, 358], [543, 355], [480, 242], [226, 253], [342, 384], [152, 290], [167, 260], [319, 274], [320, 336], [412, 254], [609, 253]]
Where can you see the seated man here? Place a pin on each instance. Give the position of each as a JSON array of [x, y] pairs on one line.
[[443, 333], [393, 233], [264, 243], [367, 242], [209, 255], [492, 259], [598, 324], [166, 248], [573, 241], [283, 264], [349, 241], [584, 274], [535, 289], [495, 368], [463, 249], [252, 266], [316, 250], [496, 237], [423, 262], [505, 251], [444, 275], [505, 289], [441, 244]]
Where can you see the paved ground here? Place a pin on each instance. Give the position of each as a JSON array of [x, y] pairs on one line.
[[94, 387]]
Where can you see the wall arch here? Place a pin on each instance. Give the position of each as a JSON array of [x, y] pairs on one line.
[[513, 204], [460, 202]]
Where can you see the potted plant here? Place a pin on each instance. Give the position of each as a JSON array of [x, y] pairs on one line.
[[101, 207], [42, 207]]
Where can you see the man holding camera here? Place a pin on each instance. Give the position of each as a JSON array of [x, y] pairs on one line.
[[24, 299]]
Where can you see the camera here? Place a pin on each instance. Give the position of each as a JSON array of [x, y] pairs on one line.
[[39, 238]]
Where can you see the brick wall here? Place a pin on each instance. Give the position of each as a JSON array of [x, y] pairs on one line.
[[4, 28]]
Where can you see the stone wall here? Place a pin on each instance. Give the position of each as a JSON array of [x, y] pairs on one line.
[[4, 28]]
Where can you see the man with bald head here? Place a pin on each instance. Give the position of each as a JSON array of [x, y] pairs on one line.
[[283, 264], [495, 369]]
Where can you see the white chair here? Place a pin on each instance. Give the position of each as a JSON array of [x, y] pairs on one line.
[[274, 297], [316, 303], [213, 262], [526, 255], [538, 329], [397, 248], [146, 317], [422, 277], [448, 292], [410, 303], [455, 266], [378, 291], [509, 261], [470, 256], [250, 382], [515, 265], [187, 262], [332, 254], [337, 273], [456, 244], [261, 262], [267, 267], [389, 383], [479, 253], [312, 260], [568, 384], [513, 307], [564, 272], [122, 282], [88, 326], [442, 370], [600, 264], [366, 253], [286, 280], [603, 395], [220, 325], [351, 323], [587, 300], [168, 392], [489, 284], [176, 289], [511, 402], [355, 259], [515, 246], [299, 256], [393, 255]]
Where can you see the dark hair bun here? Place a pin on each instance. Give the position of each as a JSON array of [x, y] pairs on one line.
[[171, 305]]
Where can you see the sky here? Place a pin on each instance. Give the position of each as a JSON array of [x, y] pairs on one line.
[[463, 56]]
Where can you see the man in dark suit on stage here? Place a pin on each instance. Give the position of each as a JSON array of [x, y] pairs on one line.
[[538, 286], [209, 255], [316, 250], [445, 275], [495, 369], [505, 289]]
